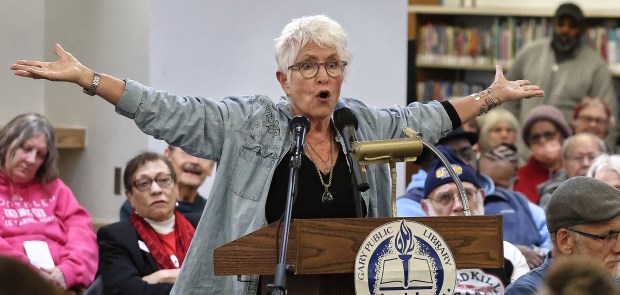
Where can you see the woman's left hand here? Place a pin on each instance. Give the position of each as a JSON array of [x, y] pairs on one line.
[[162, 276], [506, 90], [56, 276]]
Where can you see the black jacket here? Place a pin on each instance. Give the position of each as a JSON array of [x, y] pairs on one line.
[[122, 263]]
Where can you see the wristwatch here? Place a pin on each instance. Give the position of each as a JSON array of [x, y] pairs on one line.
[[94, 85]]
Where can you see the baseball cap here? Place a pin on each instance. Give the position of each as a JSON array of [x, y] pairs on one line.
[[438, 174], [569, 10]]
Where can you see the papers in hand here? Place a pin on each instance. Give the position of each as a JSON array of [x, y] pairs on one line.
[[39, 254]]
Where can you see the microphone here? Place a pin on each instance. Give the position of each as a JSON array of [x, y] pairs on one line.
[[346, 123], [299, 125]]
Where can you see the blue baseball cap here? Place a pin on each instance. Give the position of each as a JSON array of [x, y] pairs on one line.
[[438, 174]]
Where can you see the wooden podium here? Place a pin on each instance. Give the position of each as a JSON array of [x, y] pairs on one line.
[[323, 250]]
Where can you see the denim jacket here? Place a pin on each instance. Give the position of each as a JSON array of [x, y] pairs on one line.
[[248, 136]]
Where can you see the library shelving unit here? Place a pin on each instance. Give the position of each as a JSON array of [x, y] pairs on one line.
[[453, 50], [456, 48]]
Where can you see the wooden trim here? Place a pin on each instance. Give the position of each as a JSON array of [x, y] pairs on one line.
[[70, 137]]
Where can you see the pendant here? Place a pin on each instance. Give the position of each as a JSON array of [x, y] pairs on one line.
[[327, 197]]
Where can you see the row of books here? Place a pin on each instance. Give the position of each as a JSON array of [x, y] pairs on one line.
[[499, 43], [441, 90], [444, 90]]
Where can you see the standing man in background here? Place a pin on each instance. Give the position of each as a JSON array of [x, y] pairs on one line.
[[191, 174], [565, 69]]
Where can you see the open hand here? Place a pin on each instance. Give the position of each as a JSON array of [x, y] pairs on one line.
[[506, 90], [65, 68]]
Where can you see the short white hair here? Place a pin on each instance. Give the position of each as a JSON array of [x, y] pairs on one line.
[[319, 29]]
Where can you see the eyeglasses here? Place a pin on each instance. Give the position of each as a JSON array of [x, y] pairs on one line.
[[163, 181], [537, 138], [447, 199], [608, 239], [580, 158], [589, 120], [309, 69]]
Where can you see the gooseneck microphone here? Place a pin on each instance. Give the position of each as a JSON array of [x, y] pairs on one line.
[[300, 126], [346, 123]]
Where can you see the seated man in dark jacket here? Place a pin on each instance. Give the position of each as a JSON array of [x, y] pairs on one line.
[[524, 223]]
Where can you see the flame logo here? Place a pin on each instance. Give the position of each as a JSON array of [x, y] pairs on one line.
[[404, 242]]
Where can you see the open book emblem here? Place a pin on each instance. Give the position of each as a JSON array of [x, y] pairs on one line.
[[404, 257]]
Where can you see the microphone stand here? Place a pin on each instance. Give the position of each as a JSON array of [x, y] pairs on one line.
[[357, 192], [279, 282]]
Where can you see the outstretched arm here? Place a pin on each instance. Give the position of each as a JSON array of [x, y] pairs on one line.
[[67, 68], [500, 91]]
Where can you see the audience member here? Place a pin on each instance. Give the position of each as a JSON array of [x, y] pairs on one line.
[[250, 139], [606, 168], [42, 223], [408, 205], [497, 127], [500, 163], [593, 115], [191, 173], [544, 132], [578, 151], [441, 198], [578, 276], [143, 255], [583, 218], [552, 64], [524, 223], [461, 142], [18, 279]]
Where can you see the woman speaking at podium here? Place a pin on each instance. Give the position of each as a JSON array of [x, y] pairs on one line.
[[249, 138]]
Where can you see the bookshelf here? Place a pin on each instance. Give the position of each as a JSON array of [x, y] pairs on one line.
[[463, 44], [444, 75]]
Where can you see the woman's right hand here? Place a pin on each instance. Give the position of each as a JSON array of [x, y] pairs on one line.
[[162, 276], [65, 68]]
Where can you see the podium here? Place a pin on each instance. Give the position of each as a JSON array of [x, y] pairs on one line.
[[323, 251]]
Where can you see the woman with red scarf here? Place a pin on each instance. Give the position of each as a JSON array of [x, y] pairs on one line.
[[143, 255]]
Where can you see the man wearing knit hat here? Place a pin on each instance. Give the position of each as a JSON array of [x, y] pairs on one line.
[[583, 218], [565, 68], [544, 131], [441, 198]]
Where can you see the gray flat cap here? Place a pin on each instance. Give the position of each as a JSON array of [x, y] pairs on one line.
[[580, 200]]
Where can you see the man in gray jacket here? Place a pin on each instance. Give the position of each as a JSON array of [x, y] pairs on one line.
[[553, 64]]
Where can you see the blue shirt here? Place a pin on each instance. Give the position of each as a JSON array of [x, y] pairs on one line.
[[529, 283], [248, 136]]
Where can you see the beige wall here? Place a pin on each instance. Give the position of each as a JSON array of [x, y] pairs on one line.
[[208, 48]]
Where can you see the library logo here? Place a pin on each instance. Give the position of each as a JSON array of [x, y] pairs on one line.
[[405, 258]]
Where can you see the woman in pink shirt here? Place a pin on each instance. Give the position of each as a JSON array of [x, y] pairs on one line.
[[39, 215]]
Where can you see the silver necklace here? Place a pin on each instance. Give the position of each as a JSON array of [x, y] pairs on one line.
[[327, 197]]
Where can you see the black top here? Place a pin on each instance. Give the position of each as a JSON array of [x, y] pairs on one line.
[[309, 203], [123, 263]]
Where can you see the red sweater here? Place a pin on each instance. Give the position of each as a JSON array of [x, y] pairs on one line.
[[529, 176], [48, 213]]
